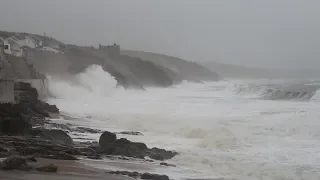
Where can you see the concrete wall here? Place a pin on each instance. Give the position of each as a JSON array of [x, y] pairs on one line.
[[6, 91]]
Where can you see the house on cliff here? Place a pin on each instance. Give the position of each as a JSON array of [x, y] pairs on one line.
[[11, 46]]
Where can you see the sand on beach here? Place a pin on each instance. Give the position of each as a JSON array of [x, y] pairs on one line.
[[67, 170]]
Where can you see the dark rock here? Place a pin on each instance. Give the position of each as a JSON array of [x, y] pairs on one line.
[[2, 149], [126, 173], [15, 162], [112, 146], [60, 156], [4, 154], [50, 108], [124, 158], [31, 158], [161, 154], [25, 146], [64, 127], [131, 133], [12, 121], [49, 168], [140, 175], [18, 118], [55, 135], [166, 164], [106, 139], [154, 176], [95, 157], [125, 147], [87, 130]]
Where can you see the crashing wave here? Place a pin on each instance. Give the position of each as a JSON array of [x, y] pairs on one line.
[[279, 92]]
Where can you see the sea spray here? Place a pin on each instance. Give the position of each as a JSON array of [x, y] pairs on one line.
[[218, 132]]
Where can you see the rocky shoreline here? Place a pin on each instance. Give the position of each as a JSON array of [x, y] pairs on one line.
[[24, 137]]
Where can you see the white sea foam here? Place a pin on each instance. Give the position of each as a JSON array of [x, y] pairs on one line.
[[218, 131]]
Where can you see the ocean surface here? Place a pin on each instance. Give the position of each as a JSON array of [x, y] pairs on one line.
[[231, 129]]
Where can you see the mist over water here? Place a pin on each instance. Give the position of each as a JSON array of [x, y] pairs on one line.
[[224, 129]]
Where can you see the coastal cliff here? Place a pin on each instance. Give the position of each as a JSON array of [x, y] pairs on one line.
[[131, 69]]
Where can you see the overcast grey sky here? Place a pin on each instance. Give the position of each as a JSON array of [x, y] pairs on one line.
[[265, 33]]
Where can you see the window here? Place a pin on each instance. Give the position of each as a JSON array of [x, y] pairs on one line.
[[6, 47]]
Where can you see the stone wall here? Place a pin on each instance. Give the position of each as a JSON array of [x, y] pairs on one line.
[[6, 91], [40, 84]]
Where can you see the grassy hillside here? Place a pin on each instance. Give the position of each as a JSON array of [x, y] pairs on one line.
[[186, 69]]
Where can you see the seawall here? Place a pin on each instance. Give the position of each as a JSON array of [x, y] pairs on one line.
[[6, 91], [40, 84]]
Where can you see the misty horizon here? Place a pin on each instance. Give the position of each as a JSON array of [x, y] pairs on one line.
[[268, 34]]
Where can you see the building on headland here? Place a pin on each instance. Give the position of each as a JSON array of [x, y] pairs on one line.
[[112, 50], [16, 43]]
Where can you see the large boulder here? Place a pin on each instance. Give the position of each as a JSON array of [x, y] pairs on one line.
[[55, 135], [112, 146], [125, 147], [106, 139]]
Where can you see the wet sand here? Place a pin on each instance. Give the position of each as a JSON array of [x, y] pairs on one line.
[[67, 170]]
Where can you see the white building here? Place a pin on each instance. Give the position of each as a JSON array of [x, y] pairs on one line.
[[6, 46], [10, 46], [27, 42]]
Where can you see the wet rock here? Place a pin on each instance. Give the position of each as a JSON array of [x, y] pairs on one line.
[[140, 175], [28, 111], [49, 168], [154, 176], [87, 130], [106, 139], [12, 121], [55, 135], [134, 133], [2, 149], [15, 162], [50, 108], [95, 157], [126, 173], [166, 164], [31, 158], [161, 154], [25, 146], [60, 156], [64, 127], [124, 147], [4, 154]]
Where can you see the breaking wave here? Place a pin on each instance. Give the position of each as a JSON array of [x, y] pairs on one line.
[[278, 92]]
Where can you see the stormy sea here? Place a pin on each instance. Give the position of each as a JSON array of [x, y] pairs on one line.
[[229, 129]]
